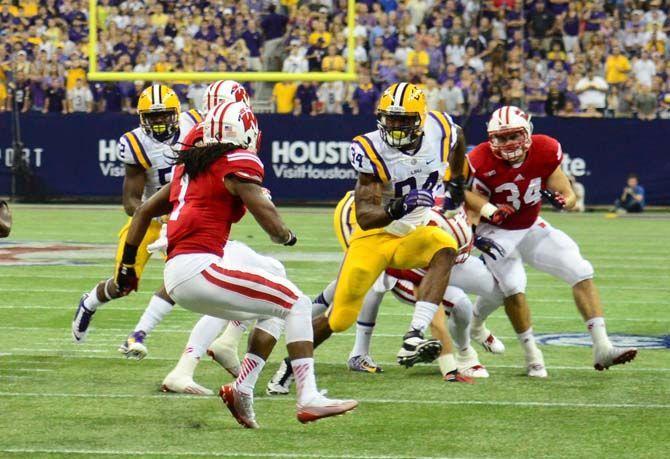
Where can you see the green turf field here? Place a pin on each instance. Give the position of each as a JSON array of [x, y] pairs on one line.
[[59, 399]]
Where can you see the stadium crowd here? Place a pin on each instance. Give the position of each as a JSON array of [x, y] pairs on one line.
[[552, 57]]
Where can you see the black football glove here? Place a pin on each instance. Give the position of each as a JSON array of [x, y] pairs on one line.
[[554, 198], [126, 279], [456, 189], [489, 247]]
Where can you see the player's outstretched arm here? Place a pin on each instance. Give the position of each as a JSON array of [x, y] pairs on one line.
[[156, 206], [159, 204], [368, 198], [262, 208], [456, 184], [559, 183], [133, 187]]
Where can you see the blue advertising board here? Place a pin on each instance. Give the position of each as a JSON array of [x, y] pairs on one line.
[[306, 158]]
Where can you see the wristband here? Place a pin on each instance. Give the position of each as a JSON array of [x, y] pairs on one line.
[[129, 254], [291, 239], [488, 210]]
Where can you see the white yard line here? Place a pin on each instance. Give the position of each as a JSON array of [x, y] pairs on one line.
[[168, 453], [363, 400], [534, 285], [23, 352]]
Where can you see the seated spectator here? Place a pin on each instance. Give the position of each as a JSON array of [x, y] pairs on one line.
[[295, 62], [331, 96], [569, 110], [536, 95], [306, 98], [632, 197], [455, 51], [55, 101], [365, 96], [617, 67], [453, 98], [418, 59], [645, 102], [80, 98], [592, 91], [434, 95], [333, 62], [644, 68], [283, 97], [555, 99]]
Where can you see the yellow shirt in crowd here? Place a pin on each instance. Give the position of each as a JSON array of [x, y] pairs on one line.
[[616, 69], [333, 64], [283, 94], [420, 58], [314, 37], [72, 76]]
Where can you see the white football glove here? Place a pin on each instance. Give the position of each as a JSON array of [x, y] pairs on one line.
[[160, 244]]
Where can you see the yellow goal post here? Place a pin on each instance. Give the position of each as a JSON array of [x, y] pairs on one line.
[[95, 75]]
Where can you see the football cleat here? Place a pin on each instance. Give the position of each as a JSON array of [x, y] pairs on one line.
[[81, 321], [364, 364], [241, 406], [469, 365], [133, 348], [610, 356], [280, 384], [535, 365], [225, 356], [321, 407], [492, 344], [415, 349], [476, 371], [183, 384], [456, 376]]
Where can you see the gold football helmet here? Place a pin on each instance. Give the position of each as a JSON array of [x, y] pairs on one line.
[[159, 107], [401, 115]]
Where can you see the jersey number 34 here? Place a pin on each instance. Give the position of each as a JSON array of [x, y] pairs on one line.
[[531, 197]]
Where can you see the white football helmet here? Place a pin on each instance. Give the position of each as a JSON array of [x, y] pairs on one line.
[[232, 123], [224, 91], [510, 132], [458, 225]]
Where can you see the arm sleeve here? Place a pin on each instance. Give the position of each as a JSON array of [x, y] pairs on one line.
[[359, 160], [245, 166], [125, 152]]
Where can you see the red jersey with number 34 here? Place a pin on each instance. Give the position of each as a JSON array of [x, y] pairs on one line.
[[203, 210], [517, 186]]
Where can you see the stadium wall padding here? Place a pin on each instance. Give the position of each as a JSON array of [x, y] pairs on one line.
[[306, 157]]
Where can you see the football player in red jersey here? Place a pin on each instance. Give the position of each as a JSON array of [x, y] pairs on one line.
[[213, 186], [515, 169]]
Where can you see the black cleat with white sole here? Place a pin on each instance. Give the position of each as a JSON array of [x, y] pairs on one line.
[[416, 349]]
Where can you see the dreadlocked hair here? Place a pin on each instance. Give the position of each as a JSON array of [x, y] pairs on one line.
[[198, 159]]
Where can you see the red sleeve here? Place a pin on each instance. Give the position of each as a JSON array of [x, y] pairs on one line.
[[551, 153], [193, 137], [476, 157], [245, 165]]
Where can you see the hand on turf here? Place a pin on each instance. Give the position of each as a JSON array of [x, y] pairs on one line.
[[489, 247], [555, 198], [501, 214], [126, 279]]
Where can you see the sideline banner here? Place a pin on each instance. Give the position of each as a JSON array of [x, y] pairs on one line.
[[306, 158]]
